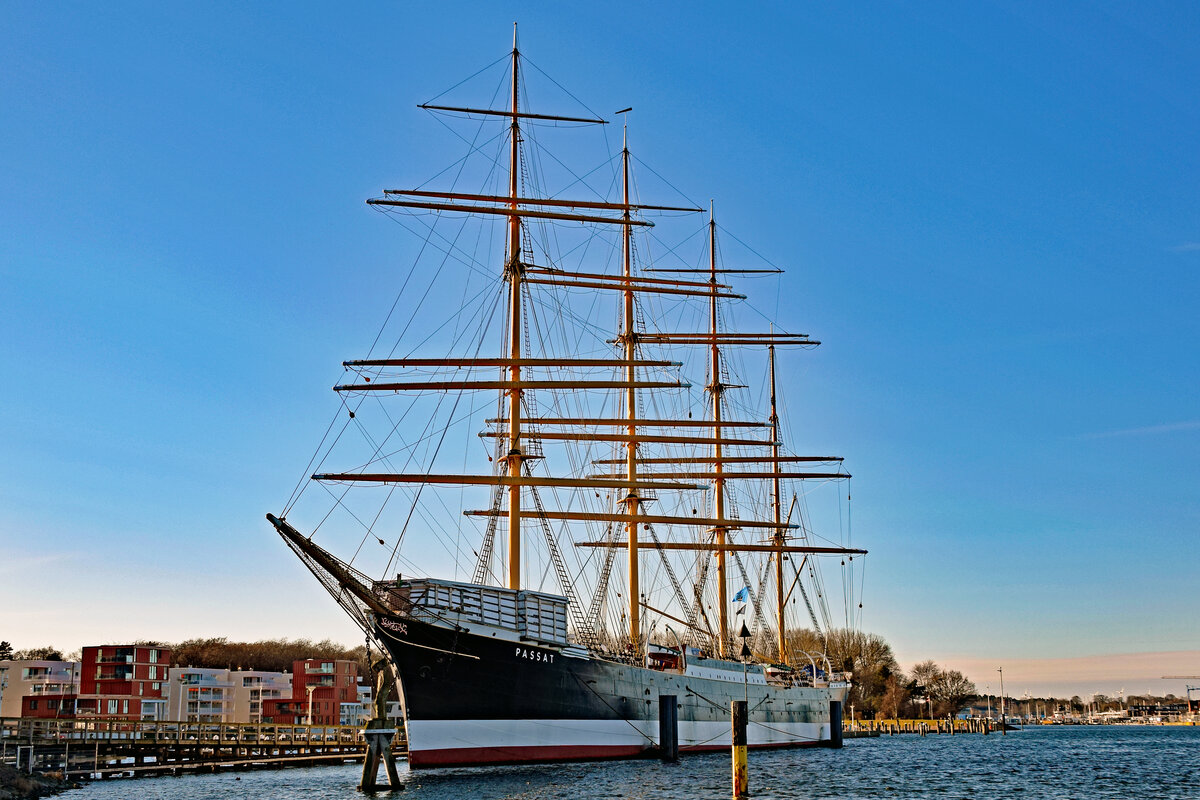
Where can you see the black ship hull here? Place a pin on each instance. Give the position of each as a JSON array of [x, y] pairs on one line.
[[474, 697]]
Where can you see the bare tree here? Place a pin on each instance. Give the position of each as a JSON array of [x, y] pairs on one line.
[[949, 690], [895, 696], [867, 655], [39, 654], [952, 691]]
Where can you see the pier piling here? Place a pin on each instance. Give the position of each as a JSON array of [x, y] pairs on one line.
[[668, 727], [835, 724]]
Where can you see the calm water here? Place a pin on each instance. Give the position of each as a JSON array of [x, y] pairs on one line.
[[1071, 762]]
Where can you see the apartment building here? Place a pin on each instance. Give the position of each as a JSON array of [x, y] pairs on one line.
[[324, 691], [38, 688], [123, 682], [198, 694]]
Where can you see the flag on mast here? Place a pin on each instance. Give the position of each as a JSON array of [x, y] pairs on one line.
[[744, 594]]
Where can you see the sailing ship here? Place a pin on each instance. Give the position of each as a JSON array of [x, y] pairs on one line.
[[601, 451]]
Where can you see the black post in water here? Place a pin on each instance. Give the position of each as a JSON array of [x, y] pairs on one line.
[[835, 723], [668, 727]]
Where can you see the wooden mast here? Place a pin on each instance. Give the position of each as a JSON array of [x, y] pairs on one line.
[[717, 389], [777, 503], [628, 427], [516, 458], [629, 340]]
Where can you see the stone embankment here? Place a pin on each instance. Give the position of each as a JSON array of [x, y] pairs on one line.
[[16, 785]]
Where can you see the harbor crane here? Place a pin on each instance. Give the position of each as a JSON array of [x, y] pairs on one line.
[[1189, 689]]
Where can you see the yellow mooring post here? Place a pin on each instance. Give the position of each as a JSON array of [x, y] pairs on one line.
[[741, 780]]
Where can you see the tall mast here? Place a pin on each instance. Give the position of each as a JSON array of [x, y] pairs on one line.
[[776, 502], [718, 481], [516, 456], [629, 339]]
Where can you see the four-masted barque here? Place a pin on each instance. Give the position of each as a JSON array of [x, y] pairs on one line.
[[601, 451]]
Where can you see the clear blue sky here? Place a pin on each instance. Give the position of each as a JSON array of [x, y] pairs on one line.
[[990, 213]]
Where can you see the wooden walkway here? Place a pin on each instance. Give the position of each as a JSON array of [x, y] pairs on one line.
[[97, 748], [922, 727]]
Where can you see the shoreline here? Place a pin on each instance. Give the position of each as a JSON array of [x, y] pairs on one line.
[[16, 785]]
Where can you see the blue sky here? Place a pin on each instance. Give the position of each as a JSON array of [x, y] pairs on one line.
[[989, 213]]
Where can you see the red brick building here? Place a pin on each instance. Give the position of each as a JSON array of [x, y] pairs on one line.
[[319, 688], [123, 682], [51, 706]]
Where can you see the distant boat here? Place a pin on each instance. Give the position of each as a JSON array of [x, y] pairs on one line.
[[596, 445]]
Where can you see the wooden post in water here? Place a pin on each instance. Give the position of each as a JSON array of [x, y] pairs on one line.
[[668, 727], [741, 779], [379, 736]]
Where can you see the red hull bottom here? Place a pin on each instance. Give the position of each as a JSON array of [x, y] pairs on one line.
[[487, 756]]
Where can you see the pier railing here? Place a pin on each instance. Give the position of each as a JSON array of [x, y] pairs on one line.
[[115, 746], [35, 730]]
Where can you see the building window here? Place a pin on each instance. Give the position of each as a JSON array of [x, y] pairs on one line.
[[153, 670], [33, 705], [153, 658], [112, 706], [52, 705]]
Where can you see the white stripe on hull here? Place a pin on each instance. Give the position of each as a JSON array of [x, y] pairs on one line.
[[442, 734]]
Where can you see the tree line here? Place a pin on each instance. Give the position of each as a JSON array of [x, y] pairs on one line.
[[879, 687], [267, 655]]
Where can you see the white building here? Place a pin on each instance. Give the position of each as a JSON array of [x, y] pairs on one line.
[[205, 694], [21, 679], [252, 687]]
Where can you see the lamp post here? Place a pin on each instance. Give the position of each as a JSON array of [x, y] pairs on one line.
[[310, 689], [1002, 708]]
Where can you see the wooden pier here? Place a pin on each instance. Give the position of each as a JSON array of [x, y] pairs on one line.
[[100, 748], [922, 727]]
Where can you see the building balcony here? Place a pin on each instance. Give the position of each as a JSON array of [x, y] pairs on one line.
[[118, 688], [52, 688], [204, 680], [324, 669]]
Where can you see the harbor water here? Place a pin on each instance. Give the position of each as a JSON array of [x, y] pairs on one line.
[[1064, 763]]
